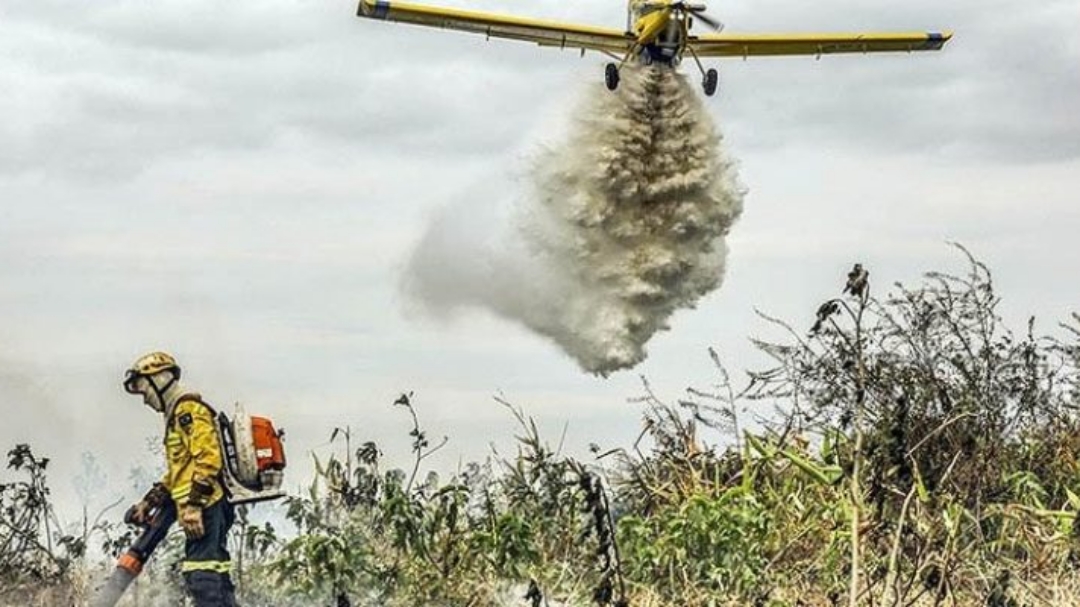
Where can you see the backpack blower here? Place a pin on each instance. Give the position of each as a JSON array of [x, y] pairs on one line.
[[253, 467]]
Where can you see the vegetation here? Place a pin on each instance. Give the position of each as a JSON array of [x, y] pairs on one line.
[[908, 450]]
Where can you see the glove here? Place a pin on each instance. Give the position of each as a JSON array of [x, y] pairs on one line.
[[139, 513], [191, 520], [191, 515]]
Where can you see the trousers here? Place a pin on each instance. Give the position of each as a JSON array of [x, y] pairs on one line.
[[206, 561]]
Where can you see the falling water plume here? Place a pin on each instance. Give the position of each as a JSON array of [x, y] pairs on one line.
[[624, 226]]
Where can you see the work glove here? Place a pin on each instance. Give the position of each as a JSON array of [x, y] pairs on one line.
[[139, 513], [191, 519], [191, 515]]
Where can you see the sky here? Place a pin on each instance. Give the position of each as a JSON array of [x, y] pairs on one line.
[[242, 184]]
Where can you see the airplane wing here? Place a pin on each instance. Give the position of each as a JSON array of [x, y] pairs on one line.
[[544, 33], [753, 45]]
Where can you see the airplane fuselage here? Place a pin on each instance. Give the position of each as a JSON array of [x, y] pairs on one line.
[[660, 33]]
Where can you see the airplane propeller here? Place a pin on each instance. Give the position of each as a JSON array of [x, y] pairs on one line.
[[698, 11], [713, 23]]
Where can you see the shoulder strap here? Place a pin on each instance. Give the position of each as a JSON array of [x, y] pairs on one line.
[[191, 398]]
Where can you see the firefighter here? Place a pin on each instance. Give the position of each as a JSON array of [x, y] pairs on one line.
[[192, 480]]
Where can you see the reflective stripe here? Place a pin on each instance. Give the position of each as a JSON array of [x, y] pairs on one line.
[[179, 494], [215, 566]]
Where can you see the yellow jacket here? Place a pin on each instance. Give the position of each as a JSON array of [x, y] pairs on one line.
[[192, 450]]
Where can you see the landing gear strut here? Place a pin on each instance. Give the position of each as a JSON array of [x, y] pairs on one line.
[[710, 78], [711, 81], [611, 76]]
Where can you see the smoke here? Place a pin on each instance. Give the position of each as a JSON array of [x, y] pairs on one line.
[[623, 224]]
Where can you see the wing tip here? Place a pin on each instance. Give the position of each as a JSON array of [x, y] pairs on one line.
[[936, 40], [375, 9]]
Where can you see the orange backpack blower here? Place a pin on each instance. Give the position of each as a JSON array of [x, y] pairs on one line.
[[254, 457]]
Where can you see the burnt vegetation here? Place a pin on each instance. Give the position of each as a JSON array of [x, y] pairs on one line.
[[902, 449]]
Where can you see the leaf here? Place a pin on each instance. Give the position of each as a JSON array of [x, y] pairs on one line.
[[920, 487], [763, 448], [1074, 500], [825, 475]]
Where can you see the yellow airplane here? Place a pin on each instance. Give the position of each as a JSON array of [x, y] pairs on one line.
[[658, 31]]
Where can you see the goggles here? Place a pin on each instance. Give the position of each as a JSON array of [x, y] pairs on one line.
[[131, 380]]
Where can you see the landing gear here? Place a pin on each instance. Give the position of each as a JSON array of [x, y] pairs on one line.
[[711, 81], [611, 76], [710, 78]]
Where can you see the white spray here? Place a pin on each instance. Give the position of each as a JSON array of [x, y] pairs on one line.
[[625, 225]]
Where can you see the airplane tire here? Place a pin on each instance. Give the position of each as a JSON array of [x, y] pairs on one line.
[[712, 80], [611, 76]]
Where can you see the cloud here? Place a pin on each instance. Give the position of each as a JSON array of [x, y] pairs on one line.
[[107, 92], [1003, 89]]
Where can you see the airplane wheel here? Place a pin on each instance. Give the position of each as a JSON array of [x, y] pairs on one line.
[[712, 80], [611, 76]]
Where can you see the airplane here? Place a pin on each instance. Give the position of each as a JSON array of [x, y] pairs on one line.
[[658, 31]]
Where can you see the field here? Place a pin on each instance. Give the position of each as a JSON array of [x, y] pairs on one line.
[[909, 450]]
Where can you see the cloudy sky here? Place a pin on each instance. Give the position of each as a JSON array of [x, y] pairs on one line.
[[242, 183]]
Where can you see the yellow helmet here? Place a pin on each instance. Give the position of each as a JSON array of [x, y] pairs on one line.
[[150, 364]]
